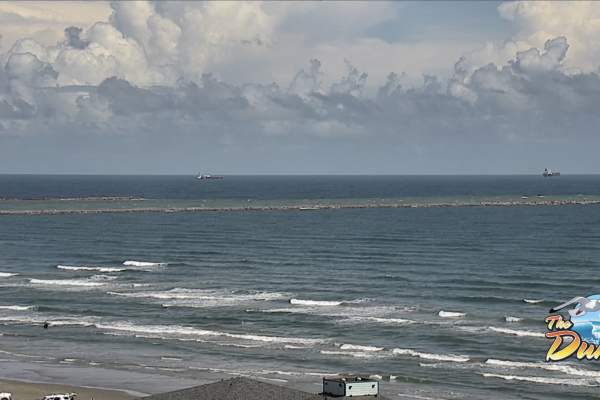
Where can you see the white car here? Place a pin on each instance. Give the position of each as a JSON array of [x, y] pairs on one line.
[[66, 396], [5, 396]]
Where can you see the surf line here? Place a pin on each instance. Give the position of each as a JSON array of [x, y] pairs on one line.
[[566, 342]]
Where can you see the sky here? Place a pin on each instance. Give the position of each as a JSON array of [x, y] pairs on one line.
[[142, 87]]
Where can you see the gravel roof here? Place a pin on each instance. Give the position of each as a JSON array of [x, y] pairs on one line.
[[242, 389]]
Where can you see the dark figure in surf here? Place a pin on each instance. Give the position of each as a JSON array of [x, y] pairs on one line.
[[46, 325]]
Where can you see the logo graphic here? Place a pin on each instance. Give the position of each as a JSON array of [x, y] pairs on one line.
[[578, 332]]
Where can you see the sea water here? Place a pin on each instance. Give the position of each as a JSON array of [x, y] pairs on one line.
[[444, 301]]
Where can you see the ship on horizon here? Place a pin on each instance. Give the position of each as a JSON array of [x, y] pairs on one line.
[[203, 177], [548, 173]]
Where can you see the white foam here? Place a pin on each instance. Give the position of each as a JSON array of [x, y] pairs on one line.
[[428, 356], [202, 298], [66, 282], [360, 315], [565, 369], [321, 303], [17, 308], [508, 318], [357, 354], [451, 314], [516, 332], [537, 379], [381, 320], [52, 321], [143, 264], [7, 274], [176, 331], [86, 268], [171, 359], [359, 347], [530, 301]]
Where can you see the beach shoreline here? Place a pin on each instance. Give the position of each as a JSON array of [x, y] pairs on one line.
[[26, 390]]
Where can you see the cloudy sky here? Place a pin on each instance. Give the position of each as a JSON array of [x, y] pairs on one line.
[[274, 87]]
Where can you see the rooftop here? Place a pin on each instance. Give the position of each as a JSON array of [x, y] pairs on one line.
[[243, 389], [350, 379]]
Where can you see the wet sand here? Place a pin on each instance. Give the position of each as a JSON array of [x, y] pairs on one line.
[[35, 391]]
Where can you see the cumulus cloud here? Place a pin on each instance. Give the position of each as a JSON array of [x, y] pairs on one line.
[[146, 76], [539, 21], [550, 59]]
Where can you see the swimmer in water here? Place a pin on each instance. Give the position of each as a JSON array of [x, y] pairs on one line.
[[46, 324]]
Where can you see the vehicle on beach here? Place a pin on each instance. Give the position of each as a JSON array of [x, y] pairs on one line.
[[5, 396], [66, 396]]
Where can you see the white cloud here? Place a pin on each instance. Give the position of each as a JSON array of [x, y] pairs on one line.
[[146, 72], [578, 21]]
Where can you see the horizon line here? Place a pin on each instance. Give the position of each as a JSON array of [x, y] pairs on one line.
[[291, 174]]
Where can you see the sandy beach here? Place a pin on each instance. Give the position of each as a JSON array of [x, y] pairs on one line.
[[35, 391]]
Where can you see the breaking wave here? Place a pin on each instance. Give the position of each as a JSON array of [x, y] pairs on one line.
[[7, 274], [200, 298], [18, 308], [179, 332], [360, 314], [451, 314], [94, 281], [508, 318], [538, 379], [356, 354], [87, 268], [144, 264], [533, 301], [516, 332], [565, 369], [166, 332], [359, 347], [52, 321], [429, 356], [319, 303], [380, 320]]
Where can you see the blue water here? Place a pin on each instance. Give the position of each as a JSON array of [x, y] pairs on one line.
[[291, 187], [423, 295]]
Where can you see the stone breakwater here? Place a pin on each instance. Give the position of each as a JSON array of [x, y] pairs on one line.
[[307, 207]]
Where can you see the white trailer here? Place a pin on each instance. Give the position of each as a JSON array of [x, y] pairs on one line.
[[350, 386], [5, 396]]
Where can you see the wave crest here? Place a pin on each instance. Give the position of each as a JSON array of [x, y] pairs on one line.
[[428, 356], [359, 347], [144, 264], [538, 379], [89, 268], [451, 314], [18, 308], [178, 331], [319, 303], [94, 281], [508, 318], [516, 332]]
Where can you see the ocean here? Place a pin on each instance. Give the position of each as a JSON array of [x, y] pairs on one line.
[[437, 285]]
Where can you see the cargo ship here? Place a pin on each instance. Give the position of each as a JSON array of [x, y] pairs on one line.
[[548, 172], [203, 177]]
